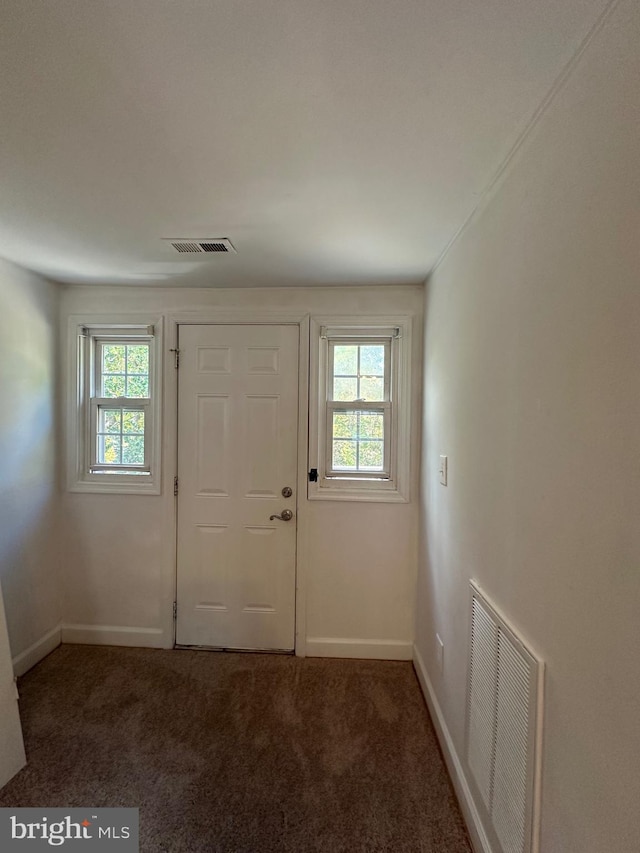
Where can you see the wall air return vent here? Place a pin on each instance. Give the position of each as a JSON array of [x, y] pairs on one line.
[[503, 729], [192, 246]]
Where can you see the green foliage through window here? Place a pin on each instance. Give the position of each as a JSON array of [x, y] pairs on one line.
[[358, 441], [358, 435], [120, 437], [124, 370], [358, 372]]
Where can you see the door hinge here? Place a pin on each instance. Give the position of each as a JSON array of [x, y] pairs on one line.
[[175, 610], [176, 353], [175, 486]]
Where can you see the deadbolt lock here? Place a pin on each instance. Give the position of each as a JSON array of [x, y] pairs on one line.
[[287, 492]]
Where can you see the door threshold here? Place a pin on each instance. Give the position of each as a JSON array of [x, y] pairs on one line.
[[181, 646]]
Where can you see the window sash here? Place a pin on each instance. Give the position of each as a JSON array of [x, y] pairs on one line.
[[385, 410], [98, 338], [358, 337], [99, 343], [142, 404], [351, 341]]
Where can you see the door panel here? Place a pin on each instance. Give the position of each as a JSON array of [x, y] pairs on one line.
[[213, 458], [237, 449]]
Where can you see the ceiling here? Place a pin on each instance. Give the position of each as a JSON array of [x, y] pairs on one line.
[[332, 141]]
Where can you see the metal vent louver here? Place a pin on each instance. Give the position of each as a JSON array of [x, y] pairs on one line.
[[503, 731], [190, 245]]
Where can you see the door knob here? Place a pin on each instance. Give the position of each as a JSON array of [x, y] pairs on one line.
[[287, 492], [285, 515]]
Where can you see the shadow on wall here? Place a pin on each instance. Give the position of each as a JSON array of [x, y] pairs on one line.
[[27, 454], [26, 417]]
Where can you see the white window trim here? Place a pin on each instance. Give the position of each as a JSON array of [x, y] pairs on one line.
[[81, 406], [361, 488]]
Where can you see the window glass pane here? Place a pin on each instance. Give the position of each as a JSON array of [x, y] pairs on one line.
[[113, 386], [110, 420], [113, 358], [358, 372], [137, 386], [345, 360], [138, 358], [124, 370], [344, 455], [109, 449], [371, 425], [371, 388], [133, 449], [372, 360], [357, 425], [345, 389], [120, 437], [132, 422], [371, 456], [358, 441], [345, 425]]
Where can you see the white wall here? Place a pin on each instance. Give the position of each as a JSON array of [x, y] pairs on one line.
[[119, 554], [532, 353], [29, 570]]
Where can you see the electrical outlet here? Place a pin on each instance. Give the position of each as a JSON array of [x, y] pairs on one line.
[[440, 653], [442, 470]]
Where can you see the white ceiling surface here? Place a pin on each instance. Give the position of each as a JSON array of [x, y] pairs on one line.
[[333, 141]]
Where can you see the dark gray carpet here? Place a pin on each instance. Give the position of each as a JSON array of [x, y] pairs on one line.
[[239, 753]]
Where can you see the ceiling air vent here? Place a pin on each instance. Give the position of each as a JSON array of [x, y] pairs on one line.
[[189, 245]]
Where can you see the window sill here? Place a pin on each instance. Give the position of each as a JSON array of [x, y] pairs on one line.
[[109, 487], [360, 493]]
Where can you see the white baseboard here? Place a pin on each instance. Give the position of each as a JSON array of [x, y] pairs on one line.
[[35, 653], [476, 831], [337, 647], [116, 635]]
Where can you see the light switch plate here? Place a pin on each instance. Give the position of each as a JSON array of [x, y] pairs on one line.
[[442, 470]]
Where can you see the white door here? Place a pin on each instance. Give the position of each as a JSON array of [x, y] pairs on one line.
[[237, 452]]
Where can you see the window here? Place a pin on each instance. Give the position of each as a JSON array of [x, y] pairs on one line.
[[359, 426], [358, 408], [119, 411], [116, 436]]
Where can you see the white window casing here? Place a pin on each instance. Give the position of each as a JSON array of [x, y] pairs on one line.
[[389, 482], [86, 470]]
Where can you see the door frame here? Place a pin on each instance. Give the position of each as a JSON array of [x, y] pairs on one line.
[[234, 317]]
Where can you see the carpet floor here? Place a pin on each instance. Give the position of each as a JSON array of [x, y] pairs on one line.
[[239, 753]]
